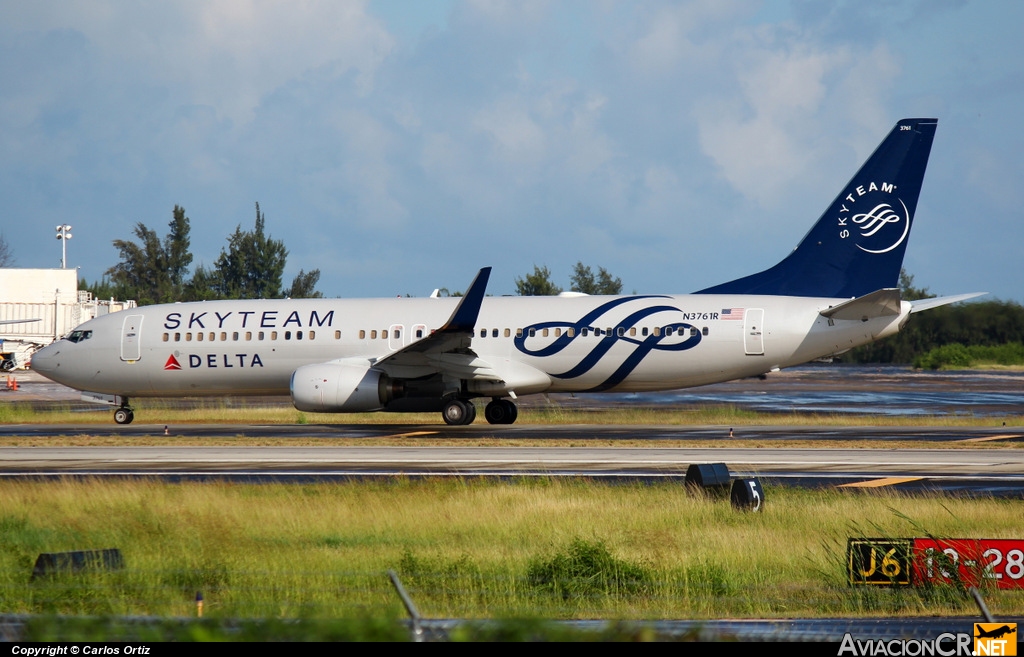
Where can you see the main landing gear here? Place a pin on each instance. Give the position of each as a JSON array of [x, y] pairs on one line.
[[125, 414], [457, 411], [501, 411]]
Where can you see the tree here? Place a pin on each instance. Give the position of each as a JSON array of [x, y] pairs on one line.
[[153, 271], [6, 256], [583, 280], [537, 284], [252, 265], [202, 285], [907, 290], [304, 285]]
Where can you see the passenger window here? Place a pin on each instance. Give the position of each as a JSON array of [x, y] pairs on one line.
[[508, 333], [223, 336], [533, 332], [632, 331], [693, 330], [656, 331], [644, 331], [419, 333], [167, 337], [312, 335], [544, 332], [621, 331], [213, 336], [570, 332], [494, 333], [199, 336], [260, 335], [273, 335], [519, 332], [298, 335], [705, 331], [248, 336], [287, 335], [584, 331], [681, 331], [373, 334], [234, 336], [177, 337], [188, 337], [558, 332]]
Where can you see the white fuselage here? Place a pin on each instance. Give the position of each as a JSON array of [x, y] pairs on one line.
[[533, 344]]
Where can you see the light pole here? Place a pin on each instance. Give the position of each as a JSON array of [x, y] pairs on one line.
[[63, 234]]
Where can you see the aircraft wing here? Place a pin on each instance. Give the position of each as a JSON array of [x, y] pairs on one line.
[[19, 321], [447, 350]]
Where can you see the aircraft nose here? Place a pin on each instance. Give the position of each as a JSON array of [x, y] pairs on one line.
[[46, 361]]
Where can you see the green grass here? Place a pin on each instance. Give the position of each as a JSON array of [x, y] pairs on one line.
[[470, 548]]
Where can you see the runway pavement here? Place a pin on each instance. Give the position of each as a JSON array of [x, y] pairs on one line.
[[972, 470]]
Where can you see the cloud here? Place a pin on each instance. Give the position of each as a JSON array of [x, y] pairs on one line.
[[763, 134], [227, 54]]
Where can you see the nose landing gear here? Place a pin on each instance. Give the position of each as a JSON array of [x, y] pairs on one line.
[[125, 414]]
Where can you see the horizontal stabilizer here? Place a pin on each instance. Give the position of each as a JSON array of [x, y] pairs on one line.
[[926, 304], [880, 303]]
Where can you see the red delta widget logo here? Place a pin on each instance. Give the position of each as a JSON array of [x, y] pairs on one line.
[[211, 361]]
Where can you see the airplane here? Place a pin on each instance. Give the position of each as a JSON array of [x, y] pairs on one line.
[[836, 290], [994, 634]]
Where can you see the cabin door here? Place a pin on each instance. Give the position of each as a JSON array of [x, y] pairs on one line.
[[131, 332], [753, 331]]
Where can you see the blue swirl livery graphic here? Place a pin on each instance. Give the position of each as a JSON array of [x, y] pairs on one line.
[[666, 338]]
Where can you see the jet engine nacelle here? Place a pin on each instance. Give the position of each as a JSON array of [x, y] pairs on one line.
[[340, 388]]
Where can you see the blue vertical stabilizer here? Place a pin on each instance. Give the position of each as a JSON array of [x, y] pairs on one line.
[[857, 245]]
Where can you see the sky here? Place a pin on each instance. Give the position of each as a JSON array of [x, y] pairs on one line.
[[398, 146]]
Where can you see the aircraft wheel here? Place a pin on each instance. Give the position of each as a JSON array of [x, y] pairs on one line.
[[123, 416], [457, 412], [513, 411], [501, 411]]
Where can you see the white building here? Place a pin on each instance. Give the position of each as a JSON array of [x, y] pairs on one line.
[[38, 306]]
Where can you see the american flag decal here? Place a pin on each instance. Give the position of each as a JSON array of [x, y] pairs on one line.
[[731, 313]]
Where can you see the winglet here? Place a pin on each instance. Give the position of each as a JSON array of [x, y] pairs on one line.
[[464, 317]]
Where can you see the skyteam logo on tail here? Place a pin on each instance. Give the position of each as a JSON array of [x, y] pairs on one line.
[[874, 217]]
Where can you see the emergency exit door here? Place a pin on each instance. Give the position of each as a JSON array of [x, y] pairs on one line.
[[753, 331], [131, 332]]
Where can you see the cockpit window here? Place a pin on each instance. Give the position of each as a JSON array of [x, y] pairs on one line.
[[78, 336]]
